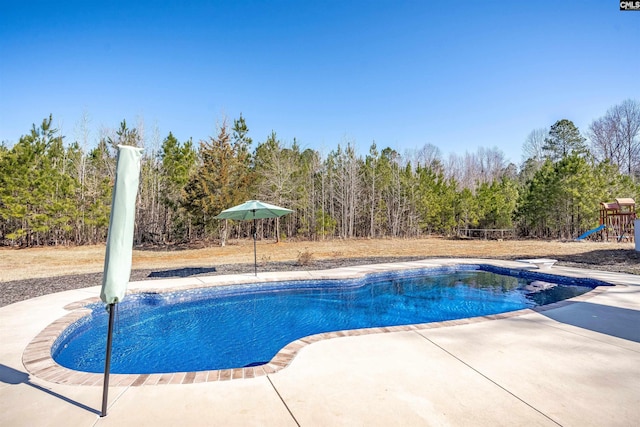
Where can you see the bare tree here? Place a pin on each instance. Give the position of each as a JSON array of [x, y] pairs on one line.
[[604, 142], [473, 169], [627, 116], [429, 156], [492, 163], [454, 167], [82, 135], [616, 136], [346, 184], [371, 163], [532, 147]]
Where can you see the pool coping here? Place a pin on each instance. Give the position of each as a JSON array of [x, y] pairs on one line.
[[38, 361]]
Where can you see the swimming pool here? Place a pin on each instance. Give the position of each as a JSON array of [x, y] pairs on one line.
[[246, 325]]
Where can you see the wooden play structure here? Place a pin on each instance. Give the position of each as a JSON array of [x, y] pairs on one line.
[[618, 219]]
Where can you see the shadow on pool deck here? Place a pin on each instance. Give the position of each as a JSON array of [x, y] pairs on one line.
[[615, 321], [14, 377]]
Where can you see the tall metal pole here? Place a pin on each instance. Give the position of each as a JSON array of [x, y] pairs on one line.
[[255, 254], [107, 362]]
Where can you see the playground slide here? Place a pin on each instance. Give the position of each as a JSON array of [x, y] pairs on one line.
[[590, 232]]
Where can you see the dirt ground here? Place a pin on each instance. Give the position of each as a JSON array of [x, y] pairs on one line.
[[26, 273]]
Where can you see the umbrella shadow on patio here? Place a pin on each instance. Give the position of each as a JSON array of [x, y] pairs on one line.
[[183, 272], [14, 377]]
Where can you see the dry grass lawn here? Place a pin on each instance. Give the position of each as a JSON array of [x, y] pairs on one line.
[[18, 264]]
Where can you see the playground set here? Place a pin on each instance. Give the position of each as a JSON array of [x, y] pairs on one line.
[[616, 221]]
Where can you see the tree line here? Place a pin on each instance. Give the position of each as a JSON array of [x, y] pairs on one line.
[[53, 192]]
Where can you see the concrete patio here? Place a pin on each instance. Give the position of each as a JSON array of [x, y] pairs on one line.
[[575, 365]]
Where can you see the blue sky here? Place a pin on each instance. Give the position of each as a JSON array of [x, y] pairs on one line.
[[456, 74]]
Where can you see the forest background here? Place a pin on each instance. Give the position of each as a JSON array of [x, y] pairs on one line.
[[57, 191]]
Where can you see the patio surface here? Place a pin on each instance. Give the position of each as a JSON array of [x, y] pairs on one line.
[[577, 364]]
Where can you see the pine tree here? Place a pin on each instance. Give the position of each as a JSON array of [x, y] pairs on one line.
[[221, 181], [36, 191], [371, 177], [100, 177], [178, 162], [564, 139]]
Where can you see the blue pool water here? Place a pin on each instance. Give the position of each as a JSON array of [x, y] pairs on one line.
[[237, 326]]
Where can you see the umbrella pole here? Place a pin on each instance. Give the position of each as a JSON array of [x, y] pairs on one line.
[[255, 254], [107, 362]]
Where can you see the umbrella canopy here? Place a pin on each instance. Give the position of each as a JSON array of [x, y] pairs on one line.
[[117, 260], [252, 210]]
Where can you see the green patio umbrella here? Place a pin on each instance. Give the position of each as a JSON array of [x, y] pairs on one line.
[[253, 210], [117, 260]]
